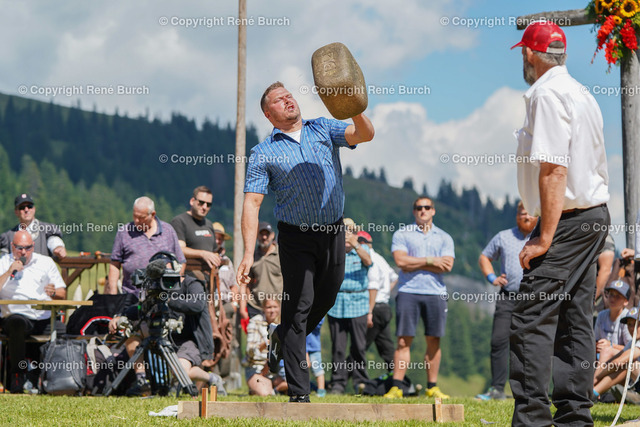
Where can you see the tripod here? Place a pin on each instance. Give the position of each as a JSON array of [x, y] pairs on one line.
[[158, 343]]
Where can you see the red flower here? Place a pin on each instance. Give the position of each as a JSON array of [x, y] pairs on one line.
[[629, 36], [605, 30], [611, 51]]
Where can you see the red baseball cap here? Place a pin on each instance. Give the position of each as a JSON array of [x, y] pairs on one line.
[[364, 235], [539, 35]]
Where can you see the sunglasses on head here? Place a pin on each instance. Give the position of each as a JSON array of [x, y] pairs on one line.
[[421, 207], [25, 206], [202, 202]]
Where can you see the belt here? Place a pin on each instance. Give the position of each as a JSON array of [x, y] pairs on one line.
[[582, 209], [353, 292], [307, 228]]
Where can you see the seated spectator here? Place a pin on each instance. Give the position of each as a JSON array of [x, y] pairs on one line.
[[610, 336], [26, 275], [195, 342], [255, 362], [613, 371], [137, 242], [47, 238], [314, 358]]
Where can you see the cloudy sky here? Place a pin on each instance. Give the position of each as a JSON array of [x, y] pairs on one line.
[[181, 57]]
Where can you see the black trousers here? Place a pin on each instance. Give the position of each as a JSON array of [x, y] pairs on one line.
[[551, 325], [500, 339], [356, 365], [312, 264], [17, 328], [380, 333]]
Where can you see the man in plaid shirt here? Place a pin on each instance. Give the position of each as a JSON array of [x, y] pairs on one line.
[[348, 316]]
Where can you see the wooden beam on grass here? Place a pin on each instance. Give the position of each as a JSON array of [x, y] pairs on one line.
[[355, 412]]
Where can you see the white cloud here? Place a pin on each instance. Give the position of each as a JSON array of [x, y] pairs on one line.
[[193, 70], [473, 151]]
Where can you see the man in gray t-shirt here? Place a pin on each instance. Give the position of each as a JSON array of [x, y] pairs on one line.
[[505, 246]]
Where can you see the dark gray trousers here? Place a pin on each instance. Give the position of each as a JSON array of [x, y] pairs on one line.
[[356, 330], [500, 339], [551, 325], [380, 333]]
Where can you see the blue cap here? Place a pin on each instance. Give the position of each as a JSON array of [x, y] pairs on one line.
[[621, 287], [632, 314]]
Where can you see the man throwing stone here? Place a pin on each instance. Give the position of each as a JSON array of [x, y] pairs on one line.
[[300, 163], [563, 179]]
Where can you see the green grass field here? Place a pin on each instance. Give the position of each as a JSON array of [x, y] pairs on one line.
[[23, 410]]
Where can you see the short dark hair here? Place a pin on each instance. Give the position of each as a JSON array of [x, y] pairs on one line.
[[263, 100], [201, 189], [433, 205]]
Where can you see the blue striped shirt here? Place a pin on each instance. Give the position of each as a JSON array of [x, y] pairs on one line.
[[435, 243], [506, 245], [353, 298], [305, 176]]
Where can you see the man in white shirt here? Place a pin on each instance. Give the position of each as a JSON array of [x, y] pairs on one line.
[[382, 279], [562, 177], [26, 275]]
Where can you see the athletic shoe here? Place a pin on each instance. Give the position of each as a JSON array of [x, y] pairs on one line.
[[274, 349], [492, 394], [321, 392], [302, 398], [435, 392], [393, 393], [216, 380], [632, 396]]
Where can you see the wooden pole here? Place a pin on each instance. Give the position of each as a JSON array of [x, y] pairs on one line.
[[629, 83], [566, 18], [241, 136]]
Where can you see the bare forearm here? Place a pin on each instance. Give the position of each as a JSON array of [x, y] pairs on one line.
[[373, 293], [112, 280], [485, 265], [249, 222], [191, 253], [409, 264], [361, 131], [364, 256], [553, 183]]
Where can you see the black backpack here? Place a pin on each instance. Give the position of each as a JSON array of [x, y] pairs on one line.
[[103, 367]]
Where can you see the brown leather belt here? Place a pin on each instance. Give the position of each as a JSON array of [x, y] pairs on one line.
[[582, 209]]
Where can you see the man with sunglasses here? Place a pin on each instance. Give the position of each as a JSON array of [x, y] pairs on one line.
[[47, 238], [195, 232], [24, 275], [423, 252]]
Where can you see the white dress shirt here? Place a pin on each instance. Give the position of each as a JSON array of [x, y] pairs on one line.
[[29, 284], [563, 126]]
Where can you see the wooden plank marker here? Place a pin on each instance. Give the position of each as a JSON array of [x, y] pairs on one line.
[[354, 412], [437, 410], [204, 403], [213, 393]]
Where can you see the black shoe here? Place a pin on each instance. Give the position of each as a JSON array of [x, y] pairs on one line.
[[274, 349], [299, 398], [142, 387]]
